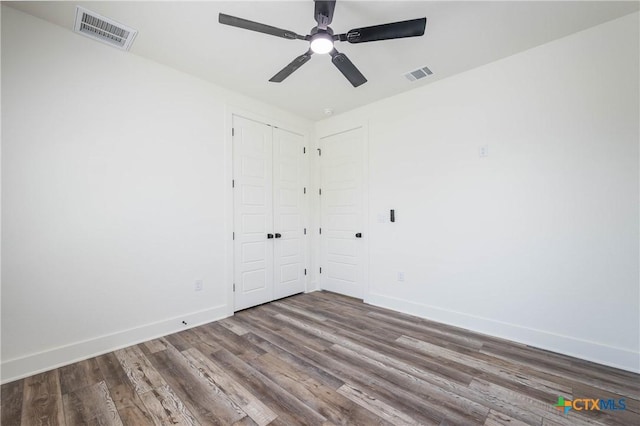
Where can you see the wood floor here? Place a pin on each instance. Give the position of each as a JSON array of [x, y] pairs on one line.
[[321, 358]]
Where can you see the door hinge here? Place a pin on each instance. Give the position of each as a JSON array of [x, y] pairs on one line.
[[319, 191], [233, 131], [320, 231], [319, 151], [304, 149], [305, 231], [304, 190], [234, 287], [233, 183], [234, 235], [321, 269], [305, 271]]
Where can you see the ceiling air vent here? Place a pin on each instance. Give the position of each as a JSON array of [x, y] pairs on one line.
[[103, 29], [418, 74]]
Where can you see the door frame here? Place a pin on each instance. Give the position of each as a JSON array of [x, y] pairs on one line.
[[331, 131], [229, 259]]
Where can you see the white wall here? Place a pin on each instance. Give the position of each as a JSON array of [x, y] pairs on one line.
[[114, 189], [538, 242], [113, 196]]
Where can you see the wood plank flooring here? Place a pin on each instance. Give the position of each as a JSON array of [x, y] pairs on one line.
[[322, 359]]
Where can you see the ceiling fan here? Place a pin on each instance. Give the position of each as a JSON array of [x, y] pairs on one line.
[[321, 40]]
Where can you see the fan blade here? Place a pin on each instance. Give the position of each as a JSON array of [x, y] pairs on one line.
[[324, 13], [402, 29], [293, 66], [347, 68], [256, 26]]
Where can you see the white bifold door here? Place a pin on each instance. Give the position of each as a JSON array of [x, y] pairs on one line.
[[268, 199]]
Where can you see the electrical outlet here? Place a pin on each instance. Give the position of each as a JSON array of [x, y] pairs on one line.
[[198, 285], [400, 276]]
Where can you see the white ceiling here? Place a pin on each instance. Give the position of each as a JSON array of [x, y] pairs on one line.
[[459, 36]]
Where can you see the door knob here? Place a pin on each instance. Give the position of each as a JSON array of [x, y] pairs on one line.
[[278, 235], [359, 235], [269, 235]]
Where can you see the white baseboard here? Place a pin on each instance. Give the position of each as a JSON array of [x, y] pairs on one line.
[[19, 368], [624, 359]]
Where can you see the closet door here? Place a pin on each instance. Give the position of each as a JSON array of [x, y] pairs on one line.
[[288, 213], [268, 208], [253, 212]]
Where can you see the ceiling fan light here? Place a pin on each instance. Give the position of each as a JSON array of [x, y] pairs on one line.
[[321, 43]]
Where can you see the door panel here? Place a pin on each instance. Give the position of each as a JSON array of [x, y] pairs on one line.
[[341, 254], [288, 212], [253, 212]]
